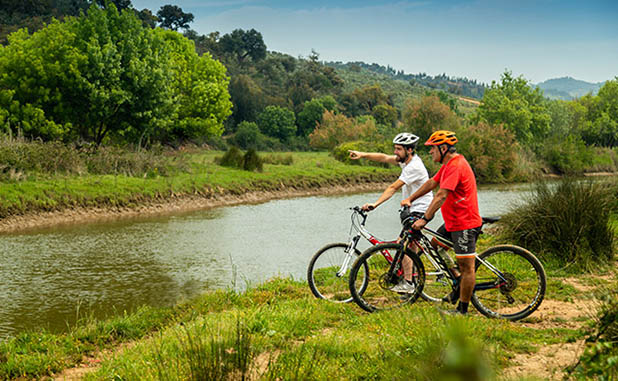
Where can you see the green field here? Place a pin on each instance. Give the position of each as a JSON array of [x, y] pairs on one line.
[[192, 173]]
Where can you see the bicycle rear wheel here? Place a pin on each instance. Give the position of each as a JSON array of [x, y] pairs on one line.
[[328, 273], [372, 267], [520, 292]]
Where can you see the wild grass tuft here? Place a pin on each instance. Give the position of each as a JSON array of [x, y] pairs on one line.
[[567, 224], [600, 358], [206, 353]]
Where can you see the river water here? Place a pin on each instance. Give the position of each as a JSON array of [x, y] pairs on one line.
[[51, 277]]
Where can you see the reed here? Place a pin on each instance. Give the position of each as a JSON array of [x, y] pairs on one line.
[[567, 223]]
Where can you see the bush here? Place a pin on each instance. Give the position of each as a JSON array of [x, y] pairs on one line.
[[567, 155], [599, 358], [568, 223], [252, 162], [490, 150], [278, 159], [248, 136], [232, 158], [341, 153]]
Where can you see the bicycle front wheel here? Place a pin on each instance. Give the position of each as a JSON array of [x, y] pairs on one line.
[[328, 273], [371, 285], [510, 283]]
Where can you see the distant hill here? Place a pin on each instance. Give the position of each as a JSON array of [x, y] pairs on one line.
[[568, 88], [457, 86]]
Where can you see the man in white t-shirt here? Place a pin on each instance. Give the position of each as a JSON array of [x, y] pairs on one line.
[[413, 175]]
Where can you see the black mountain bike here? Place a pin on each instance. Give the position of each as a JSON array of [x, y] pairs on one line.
[[510, 281]]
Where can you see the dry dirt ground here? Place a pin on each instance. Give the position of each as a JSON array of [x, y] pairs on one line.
[[550, 361]]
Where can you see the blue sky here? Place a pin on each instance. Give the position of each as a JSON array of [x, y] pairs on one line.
[[540, 39]]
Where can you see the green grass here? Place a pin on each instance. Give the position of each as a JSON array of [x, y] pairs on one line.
[[202, 177]]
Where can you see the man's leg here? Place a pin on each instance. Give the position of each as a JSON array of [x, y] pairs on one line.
[[468, 278]]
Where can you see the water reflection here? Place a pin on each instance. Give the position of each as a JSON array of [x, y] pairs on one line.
[[103, 268]]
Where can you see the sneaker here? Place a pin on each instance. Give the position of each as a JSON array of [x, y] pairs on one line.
[[404, 287]]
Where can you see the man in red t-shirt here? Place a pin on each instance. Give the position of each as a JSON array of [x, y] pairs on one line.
[[460, 210]]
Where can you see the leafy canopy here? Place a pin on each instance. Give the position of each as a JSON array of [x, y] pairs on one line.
[[516, 105], [105, 76]]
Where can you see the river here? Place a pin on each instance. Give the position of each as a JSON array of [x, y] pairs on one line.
[[51, 277]]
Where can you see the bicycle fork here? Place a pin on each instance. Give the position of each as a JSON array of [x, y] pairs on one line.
[[347, 261]]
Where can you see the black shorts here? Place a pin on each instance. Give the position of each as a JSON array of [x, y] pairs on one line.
[[464, 241]]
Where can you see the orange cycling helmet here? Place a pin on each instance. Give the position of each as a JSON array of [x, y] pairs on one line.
[[441, 137]]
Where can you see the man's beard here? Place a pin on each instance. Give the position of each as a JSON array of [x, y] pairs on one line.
[[402, 160]]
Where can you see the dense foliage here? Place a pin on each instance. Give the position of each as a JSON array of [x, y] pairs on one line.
[[567, 223], [104, 77]]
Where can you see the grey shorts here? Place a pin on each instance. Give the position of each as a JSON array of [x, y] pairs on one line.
[[464, 241]]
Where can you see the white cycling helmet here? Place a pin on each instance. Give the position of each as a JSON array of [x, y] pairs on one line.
[[406, 139]]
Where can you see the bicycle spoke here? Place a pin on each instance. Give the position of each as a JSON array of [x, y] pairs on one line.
[[329, 272], [519, 287], [379, 293]]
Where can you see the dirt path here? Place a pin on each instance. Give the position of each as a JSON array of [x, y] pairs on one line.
[[550, 361], [180, 204]]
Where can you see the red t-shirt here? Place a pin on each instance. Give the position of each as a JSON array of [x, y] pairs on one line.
[[461, 208]]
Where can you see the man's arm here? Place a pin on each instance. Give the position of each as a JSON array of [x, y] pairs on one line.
[[436, 203], [373, 156], [388, 193], [428, 186]]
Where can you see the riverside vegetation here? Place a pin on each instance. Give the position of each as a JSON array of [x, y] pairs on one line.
[[51, 176]]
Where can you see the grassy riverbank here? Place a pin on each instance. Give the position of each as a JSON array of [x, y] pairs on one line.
[[179, 174], [279, 331]]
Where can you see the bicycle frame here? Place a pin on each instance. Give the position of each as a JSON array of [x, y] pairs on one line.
[[359, 218], [435, 258], [420, 240]]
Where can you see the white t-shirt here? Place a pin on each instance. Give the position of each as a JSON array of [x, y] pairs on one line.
[[414, 174]]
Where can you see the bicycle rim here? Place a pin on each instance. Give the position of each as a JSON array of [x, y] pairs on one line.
[[328, 274], [437, 285], [520, 292], [376, 294]]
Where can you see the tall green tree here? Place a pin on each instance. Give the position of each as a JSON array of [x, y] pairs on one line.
[[519, 107], [244, 44], [199, 84], [311, 114], [601, 124], [172, 17]]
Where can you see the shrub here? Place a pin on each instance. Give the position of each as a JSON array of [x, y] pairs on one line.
[[490, 150], [599, 358], [567, 155], [252, 162], [567, 223], [341, 153], [233, 157], [336, 129], [248, 136]]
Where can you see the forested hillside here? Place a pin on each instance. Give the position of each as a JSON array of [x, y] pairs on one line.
[[458, 86]]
